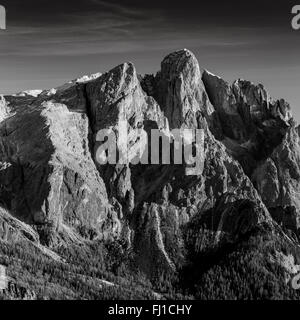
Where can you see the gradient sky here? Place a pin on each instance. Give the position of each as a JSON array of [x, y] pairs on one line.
[[50, 42]]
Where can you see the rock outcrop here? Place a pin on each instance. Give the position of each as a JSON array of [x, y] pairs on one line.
[[263, 136], [181, 93], [48, 178], [278, 181]]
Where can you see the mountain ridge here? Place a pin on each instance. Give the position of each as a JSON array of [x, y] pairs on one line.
[[160, 216]]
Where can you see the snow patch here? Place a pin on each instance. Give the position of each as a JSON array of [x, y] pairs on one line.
[[33, 93], [70, 84], [212, 74]]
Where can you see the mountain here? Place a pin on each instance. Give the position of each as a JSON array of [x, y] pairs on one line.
[[72, 228]]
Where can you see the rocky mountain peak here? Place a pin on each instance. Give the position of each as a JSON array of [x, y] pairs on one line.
[[180, 91], [50, 179], [180, 62]]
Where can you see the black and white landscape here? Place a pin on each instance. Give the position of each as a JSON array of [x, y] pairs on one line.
[[71, 228]]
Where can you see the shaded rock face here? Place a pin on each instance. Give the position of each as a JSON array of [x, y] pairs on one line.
[[227, 222], [50, 178], [262, 135], [252, 124], [246, 110], [13, 230], [277, 179]]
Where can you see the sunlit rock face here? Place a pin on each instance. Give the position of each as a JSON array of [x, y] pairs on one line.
[[180, 90], [47, 174]]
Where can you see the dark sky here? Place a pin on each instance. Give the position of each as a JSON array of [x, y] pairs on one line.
[[50, 42]]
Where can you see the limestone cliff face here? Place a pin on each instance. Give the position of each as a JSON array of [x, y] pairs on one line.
[[262, 135], [50, 178], [163, 200], [180, 91], [278, 181]]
